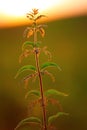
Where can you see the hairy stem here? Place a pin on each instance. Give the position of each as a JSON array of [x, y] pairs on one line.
[[40, 81]]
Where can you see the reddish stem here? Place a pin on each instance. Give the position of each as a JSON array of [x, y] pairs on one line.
[[40, 80]]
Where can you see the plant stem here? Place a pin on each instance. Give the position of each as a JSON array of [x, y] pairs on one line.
[[40, 81]]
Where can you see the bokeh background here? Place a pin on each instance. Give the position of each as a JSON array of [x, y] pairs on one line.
[[67, 41]]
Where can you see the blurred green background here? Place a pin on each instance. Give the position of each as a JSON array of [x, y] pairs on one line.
[[67, 41]]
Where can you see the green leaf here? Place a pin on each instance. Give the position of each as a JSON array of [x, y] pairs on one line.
[[52, 118], [54, 92], [33, 92], [24, 68], [28, 120], [49, 64], [28, 43]]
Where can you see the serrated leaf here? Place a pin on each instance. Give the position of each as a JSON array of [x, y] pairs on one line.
[[52, 118], [54, 92], [28, 120], [24, 68], [50, 64], [33, 92]]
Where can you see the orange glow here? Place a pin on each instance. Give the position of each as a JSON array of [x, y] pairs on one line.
[[13, 13]]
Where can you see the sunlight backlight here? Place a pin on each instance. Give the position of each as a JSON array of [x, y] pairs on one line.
[[20, 7], [13, 12]]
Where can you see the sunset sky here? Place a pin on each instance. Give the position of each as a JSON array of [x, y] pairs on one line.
[[66, 39], [14, 12]]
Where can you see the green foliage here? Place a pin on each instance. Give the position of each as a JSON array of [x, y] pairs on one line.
[[33, 92], [24, 68], [28, 43], [53, 92], [49, 64], [27, 121], [54, 117], [38, 71]]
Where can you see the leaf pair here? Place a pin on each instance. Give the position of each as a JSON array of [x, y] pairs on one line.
[[50, 92], [33, 68], [29, 31], [47, 96], [31, 44], [37, 121]]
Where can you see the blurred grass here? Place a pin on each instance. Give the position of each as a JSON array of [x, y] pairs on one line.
[[67, 41]]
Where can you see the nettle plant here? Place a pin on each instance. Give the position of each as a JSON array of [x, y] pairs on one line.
[[43, 98]]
